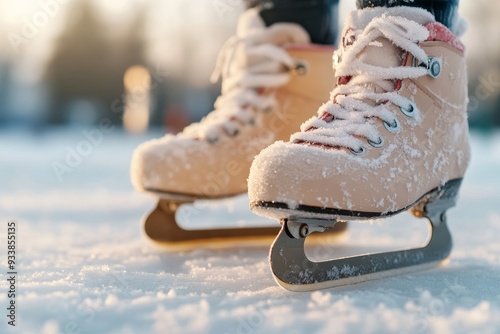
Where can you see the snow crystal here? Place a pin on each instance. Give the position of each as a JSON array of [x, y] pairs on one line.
[[86, 263], [50, 327], [111, 301], [348, 270], [319, 299], [291, 204]]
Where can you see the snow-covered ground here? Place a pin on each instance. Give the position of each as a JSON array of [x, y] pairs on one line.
[[85, 266]]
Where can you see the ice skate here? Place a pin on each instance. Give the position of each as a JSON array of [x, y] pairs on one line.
[[272, 80], [393, 137]]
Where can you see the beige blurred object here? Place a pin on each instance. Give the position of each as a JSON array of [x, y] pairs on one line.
[[213, 161], [137, 82], [272, 80], [196, 167]]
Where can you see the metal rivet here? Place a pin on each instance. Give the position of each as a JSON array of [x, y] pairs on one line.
[[361, 151], [410, 112], [394, 127], [299, 69], [434, 67], [380, 142], [304, 231]]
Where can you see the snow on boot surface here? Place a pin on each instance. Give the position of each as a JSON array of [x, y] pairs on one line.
[[272, 80], [394, 129]]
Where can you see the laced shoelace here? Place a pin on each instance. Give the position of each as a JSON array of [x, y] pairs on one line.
[[246, 90], [349, 119]]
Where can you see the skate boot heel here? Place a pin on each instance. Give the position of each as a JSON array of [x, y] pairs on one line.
[[438, 201]]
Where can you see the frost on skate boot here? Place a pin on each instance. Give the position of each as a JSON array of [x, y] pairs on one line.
[[272, 79], [393, 137]]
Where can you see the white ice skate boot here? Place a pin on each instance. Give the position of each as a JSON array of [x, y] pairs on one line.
[[273, 79], [394, 137]]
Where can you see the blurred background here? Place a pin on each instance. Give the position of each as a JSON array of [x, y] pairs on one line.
[[146, 64], [84, 82]]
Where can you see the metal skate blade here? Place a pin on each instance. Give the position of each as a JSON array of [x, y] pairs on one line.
[[295, 271], [217, 223]]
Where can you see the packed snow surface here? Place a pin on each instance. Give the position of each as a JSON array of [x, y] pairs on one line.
[[85, 265]]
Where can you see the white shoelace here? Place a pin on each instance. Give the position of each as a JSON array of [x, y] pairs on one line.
[[240, 98], [358, 105]]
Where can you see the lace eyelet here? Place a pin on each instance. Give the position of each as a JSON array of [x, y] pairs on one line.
[[434, 67], [410, 112], [359, 152], [213, 141], [378, 144], [299, 69], [252, 122], [233, 133], [394, 127], [336, 59]]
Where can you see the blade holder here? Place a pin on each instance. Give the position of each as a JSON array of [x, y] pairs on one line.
[[301, 228]]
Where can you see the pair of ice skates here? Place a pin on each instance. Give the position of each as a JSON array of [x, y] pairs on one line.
[[392, 137]]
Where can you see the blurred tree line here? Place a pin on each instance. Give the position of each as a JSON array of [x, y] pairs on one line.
[[484, 99], [483, 59], [88, 64]]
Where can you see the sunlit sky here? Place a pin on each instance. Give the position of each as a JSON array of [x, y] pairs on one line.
[[168, 24]]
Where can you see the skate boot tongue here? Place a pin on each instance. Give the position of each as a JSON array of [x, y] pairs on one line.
[[252, 65], [251, 26], [248, 51], [370, 64], [381, 52], [250, 21]]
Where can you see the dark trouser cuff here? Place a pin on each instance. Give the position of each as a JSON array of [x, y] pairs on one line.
[[318, 17], [445, 11]]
